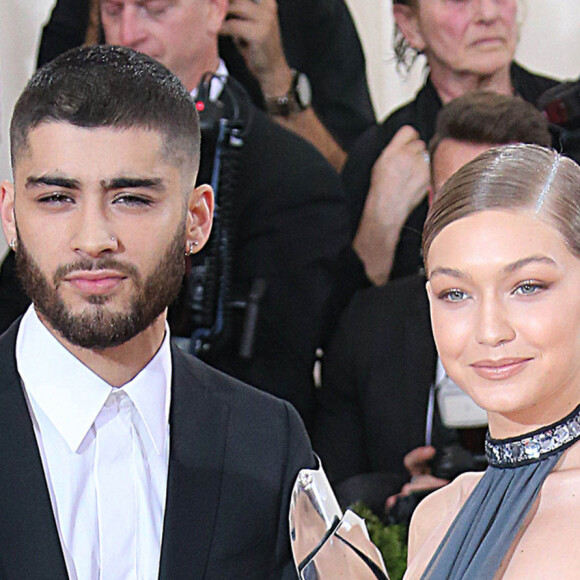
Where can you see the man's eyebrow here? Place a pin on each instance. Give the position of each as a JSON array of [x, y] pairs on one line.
[[529, 260], [52, 180], [155, 183]]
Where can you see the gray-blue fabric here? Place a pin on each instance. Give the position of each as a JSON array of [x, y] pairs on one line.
[[485, 528]]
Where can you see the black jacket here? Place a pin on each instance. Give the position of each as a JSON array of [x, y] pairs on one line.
[[289, 226], [375, 389], [234, 455]]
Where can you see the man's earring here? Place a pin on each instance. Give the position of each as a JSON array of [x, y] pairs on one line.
[[190, 247], [12, 244]]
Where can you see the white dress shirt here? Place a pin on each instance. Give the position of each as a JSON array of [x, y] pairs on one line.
[[69, 404], [217, 82]]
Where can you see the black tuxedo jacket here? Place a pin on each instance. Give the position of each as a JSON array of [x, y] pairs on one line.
[[234, 455], [376, 379]]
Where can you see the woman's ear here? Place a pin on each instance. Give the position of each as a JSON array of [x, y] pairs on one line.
[[408, 22], [199, 217], [429, 291]]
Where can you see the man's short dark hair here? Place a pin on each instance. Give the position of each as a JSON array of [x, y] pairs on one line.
[[110, 86], [488, 118]]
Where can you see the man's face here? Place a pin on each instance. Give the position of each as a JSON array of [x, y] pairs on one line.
[[181, 34], [452, 155], [101, 218]]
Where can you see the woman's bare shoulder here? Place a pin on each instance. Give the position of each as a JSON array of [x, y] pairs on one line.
[[435, 513]]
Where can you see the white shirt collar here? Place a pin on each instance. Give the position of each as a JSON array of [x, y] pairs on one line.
[[71, 395], [217, 82], [440, 373]]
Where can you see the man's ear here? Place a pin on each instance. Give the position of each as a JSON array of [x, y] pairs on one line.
[[217, 12], [199, 216], [408, 23], [7, 210]]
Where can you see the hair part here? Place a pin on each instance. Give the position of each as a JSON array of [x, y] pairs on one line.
[[484, 117], [110, 86], [511, 178]]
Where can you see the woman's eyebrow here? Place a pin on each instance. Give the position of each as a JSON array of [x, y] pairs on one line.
[[529, 260], [443, 271]]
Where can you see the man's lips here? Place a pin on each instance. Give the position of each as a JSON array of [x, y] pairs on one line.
[[95, 282], [501, 368]]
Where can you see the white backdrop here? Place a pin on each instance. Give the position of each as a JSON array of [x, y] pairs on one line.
[[550, 43]]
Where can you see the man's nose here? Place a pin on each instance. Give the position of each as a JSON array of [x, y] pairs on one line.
[[131, 29], [487, 10], [93, 233]]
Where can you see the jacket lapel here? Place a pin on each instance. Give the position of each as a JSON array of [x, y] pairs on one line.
[[29, 542], [418, 346], [198, 428]]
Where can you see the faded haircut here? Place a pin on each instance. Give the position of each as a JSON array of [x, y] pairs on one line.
[[110, 86]]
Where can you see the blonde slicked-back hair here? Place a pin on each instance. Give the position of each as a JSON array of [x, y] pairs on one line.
[[512, 177]]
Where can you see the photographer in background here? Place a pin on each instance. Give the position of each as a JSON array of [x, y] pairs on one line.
[[300, 60], [386, 405]]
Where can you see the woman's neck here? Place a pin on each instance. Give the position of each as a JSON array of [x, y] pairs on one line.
[[516, 424], [450, 85]]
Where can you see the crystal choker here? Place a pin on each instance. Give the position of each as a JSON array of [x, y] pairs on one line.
[[534, 446]]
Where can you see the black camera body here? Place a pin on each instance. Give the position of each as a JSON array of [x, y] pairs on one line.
[[561, 106]]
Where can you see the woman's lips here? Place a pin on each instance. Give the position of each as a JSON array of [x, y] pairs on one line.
[[499, 369], [491, 41], [99, 282]]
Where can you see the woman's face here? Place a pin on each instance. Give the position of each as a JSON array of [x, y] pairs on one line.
[[465, 36], [505, 305]]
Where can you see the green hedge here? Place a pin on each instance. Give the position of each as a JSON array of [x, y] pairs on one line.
[[390, 540]]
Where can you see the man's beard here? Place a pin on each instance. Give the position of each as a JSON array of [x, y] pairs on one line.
[[96, 327]]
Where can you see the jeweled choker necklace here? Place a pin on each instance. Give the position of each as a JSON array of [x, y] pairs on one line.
[[534, 446]]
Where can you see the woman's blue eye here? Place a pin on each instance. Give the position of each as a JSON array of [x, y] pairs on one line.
[[528, 288], [453, 295]]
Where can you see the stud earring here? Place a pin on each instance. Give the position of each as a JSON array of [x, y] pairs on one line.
[[190, 247], [12, 244]]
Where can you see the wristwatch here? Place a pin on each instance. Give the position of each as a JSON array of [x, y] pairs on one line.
[[298, 98]]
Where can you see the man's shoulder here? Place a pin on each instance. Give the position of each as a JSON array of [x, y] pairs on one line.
[[237, 395], [379, 321], [8, 353], [398, 298], [529, 85]]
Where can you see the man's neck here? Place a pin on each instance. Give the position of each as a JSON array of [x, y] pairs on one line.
[[193, 77], [450, 86], [118, 365]]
